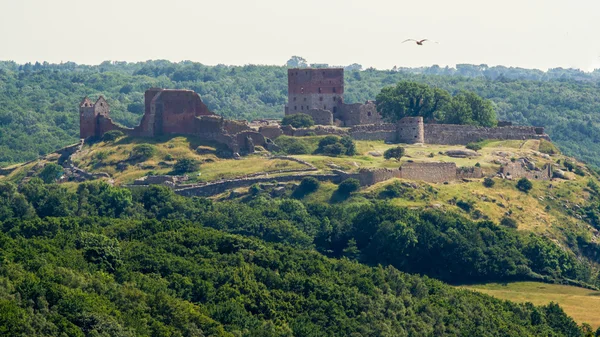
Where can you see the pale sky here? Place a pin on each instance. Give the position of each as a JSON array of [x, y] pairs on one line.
[[525, 33]]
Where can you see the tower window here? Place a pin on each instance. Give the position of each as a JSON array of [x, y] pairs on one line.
[[334, 89], [334, 98], [294, 99], [295, 108], [324, 107], [304, 99], [302, 107], [369, 113], [334, 109], [321, 98], [302, 89], [319, 90]]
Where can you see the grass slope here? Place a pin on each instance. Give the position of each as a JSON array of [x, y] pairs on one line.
[[581, 304]]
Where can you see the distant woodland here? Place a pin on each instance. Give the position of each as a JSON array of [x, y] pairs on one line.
[[38, 102]]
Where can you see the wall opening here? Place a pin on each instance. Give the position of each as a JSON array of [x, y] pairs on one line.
[[369, 113], [334, 109], [319, 90]]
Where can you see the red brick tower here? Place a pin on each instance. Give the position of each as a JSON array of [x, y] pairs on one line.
[[315, 89]]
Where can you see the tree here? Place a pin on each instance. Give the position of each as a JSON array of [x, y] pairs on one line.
[[335, 146], [348, 186], [50, 173], [112, 135], [185, 165], [524, 185], [142, 152], [307, 185], [406, 99], [468, 108], [299, 120], [488, 182], [394, 152], [297, 62]]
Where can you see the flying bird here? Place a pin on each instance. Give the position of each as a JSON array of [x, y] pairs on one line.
[[419, 42]]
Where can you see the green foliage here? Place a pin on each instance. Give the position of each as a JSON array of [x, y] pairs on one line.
[[50, 173], [336, 146], [488, 182], [410, 99], [569, 165], [298, 120], [307, 185], [186, 165], [509, 222], [348, 186], [474, 146], [465, 205], [142, 152], [524, 185], [112, 135], [394, 152], [579, 171]]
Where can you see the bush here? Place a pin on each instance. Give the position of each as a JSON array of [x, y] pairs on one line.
[[524, 185], [466, 206], [548, 147], [142, 152], [348, 186], [50, 173], [298, 120], [579, 171], [393, 190], [569, 165], [394, 152], [297, 148], [509, 222], [185, 165], [336, 146], [488, 182], [111, 136], [307, 185], [473, 146]]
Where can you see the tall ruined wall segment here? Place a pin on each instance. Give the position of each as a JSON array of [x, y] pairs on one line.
[[429, 172]]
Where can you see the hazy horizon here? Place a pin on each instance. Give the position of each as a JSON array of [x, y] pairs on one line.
[[528, 33]]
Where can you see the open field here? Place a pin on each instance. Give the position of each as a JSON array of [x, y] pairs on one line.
[[581, 304]]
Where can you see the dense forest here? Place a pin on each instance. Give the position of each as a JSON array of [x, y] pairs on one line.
[[38, 102], [106, 261]]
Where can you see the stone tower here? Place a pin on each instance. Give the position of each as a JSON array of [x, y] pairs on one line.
[[411, 130], [315, 89], [88, 116]]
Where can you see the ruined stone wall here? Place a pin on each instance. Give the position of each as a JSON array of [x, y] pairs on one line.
[[519, 169], [222, 186], [177, 110], [232, 127], [373, 176], [472, 172], [463, 134], [386, 132], [410, 130], [270, 131], [429, 172], [317, 131]]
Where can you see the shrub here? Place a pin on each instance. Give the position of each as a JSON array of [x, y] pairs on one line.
[[524, 185], [509, 222], [579, 171], [142, 152], [185, 165], [111, 136], [569, 165], [488, 182], [335, 146], [348, 186], [473, 146], [254, 189], [297, 148], [477, 164], [394, 152], [298, 120], [393, 190], [307, 185], [50, 173], [466, 206]]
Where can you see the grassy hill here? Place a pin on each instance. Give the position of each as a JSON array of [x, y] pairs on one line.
[[581, 304]]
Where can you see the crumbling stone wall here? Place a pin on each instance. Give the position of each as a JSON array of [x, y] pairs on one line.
[[429, 172], [472, 172], [386, 132], [451, 134], [270, 131], [523, 169], [319, 116]]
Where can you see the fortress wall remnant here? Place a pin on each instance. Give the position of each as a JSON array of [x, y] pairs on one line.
[[386, 132], [270, 131], [451, 134], [410, 130], [519, 169], [472, 172], [429, 172]]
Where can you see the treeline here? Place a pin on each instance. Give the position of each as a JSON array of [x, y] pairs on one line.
[[448, 247], [38, 102], [102, 261]]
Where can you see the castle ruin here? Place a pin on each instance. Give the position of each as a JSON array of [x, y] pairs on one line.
[[171, 112], [319, 93]]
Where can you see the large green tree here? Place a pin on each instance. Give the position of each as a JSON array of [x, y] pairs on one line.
[[468, 108]]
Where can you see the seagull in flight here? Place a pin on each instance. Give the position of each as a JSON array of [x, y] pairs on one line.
[[419, 42]]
